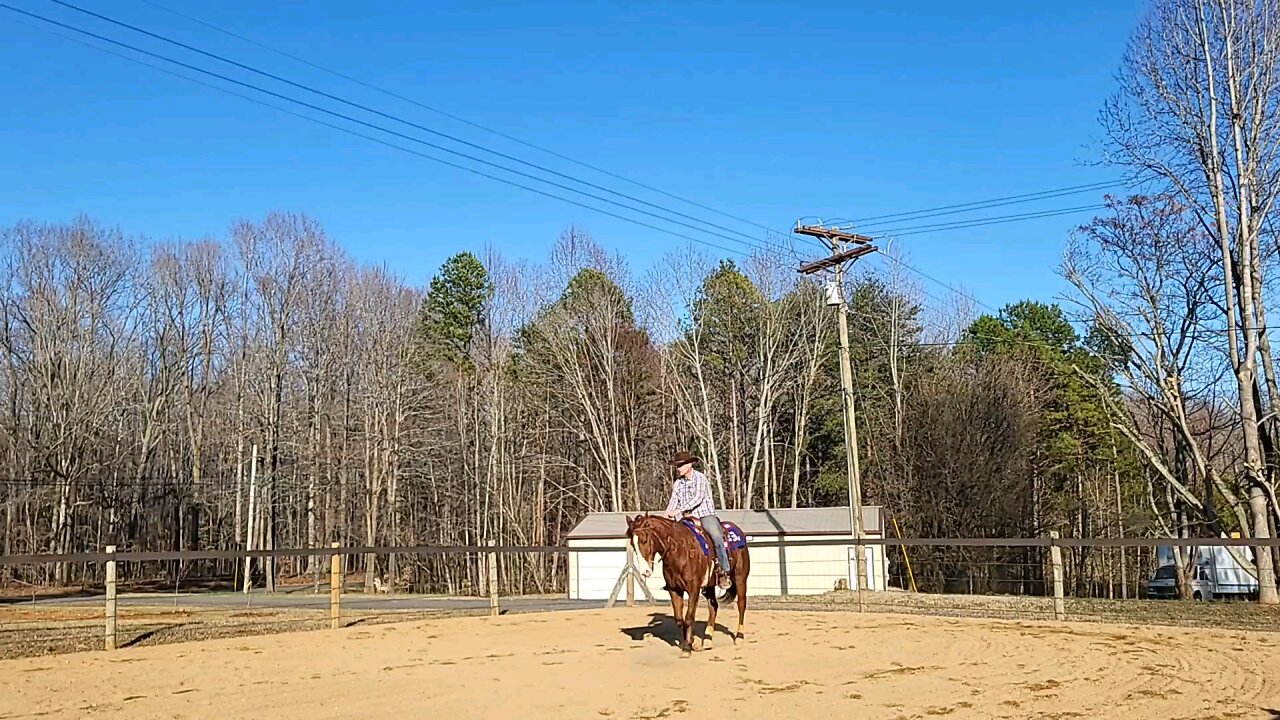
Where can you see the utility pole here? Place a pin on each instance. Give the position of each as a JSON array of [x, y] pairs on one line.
[[845, 247]]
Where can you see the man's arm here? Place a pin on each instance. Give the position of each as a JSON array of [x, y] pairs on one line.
[[671, 504]]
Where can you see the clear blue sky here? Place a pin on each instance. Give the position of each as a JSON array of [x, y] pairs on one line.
[[768, 111]]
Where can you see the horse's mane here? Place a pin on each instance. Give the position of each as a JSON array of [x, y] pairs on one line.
[[662, 526], [643, 521]]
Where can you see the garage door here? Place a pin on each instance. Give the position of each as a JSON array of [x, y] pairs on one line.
[[597, 573]]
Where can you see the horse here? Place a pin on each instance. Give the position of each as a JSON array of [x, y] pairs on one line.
[[689, 569]]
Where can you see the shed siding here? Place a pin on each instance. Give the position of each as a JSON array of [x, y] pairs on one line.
[[809, 570]]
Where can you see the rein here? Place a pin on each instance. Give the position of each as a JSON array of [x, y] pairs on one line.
[[660, 536]]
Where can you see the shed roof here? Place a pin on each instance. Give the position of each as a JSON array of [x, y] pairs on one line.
[[782, 521]]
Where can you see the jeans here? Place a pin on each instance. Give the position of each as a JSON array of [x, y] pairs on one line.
[[711, 526]]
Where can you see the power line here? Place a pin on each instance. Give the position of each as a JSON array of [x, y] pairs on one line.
[[449, 115], [403, 136], [946, 210], [976, 222], [1037, 343], [924, 216], [927, 276], [410, 123], [996, 202], [918, 230], [751, 241], [1199, 334], [981, 222], [394, 146], [772, 247]]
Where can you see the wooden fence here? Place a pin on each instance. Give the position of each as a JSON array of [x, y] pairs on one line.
[[110, 558]]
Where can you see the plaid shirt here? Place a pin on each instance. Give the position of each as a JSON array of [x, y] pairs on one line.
[[692, 495]]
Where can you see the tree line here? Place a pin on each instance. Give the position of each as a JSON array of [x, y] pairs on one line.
[[265, 389], [506, 400]]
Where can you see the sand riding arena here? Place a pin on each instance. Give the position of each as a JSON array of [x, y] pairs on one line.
[[621, 663]]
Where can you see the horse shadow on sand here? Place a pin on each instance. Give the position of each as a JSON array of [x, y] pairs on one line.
[[663, 627]]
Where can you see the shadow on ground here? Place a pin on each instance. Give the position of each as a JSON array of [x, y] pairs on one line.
[[157, 632], [664, 628]]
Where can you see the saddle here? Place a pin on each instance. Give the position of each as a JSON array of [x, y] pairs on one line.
[[734, 538]]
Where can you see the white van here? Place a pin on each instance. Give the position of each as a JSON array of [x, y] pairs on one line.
[[1216, 576]]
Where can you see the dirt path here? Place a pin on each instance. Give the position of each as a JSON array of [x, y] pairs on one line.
[[618, 664]]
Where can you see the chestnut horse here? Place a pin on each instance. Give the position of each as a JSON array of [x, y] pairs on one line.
[[688, 572]]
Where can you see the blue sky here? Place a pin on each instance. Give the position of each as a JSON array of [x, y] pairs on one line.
[[766, 111]]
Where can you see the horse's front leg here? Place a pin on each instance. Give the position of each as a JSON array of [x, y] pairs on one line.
[[713, 606], [690, 612], [677, 611]]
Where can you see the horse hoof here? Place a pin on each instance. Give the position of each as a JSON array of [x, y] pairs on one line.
[[699, 644], [685, 654]]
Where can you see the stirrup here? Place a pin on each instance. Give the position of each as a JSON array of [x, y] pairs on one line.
[[723, 593]]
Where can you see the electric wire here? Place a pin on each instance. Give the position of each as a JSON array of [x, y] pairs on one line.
[[395, 118], [449, 115], [776, 248]]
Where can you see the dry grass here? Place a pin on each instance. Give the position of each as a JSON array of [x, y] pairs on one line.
[[1176, 613], [31, 632]]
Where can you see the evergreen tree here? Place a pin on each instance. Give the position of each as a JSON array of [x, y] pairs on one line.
[[453, 311]]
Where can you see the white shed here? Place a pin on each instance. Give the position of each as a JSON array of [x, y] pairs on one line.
[[800, 569]]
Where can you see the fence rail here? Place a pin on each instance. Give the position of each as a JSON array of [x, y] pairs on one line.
[[1045, 542], [1048, 578], [150, 556]]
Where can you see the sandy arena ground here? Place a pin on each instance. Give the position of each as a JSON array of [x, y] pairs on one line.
[[620, 664]]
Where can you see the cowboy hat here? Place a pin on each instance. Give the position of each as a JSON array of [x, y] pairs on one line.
[[683, 458]]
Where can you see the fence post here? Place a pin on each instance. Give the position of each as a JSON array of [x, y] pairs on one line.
[[335, 587], [861, 573], [631, 577], [111, 599], [1055, 558], [494, 610]]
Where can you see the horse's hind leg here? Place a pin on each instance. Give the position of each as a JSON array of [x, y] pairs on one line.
[[712, 607], [741, 583]]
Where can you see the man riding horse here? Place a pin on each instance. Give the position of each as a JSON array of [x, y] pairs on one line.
[[688, 563], [691, 497]]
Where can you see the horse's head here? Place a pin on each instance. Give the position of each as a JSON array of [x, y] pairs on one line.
[[642, 534]]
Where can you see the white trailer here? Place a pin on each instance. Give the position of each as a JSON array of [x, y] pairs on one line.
[[1217, 574]]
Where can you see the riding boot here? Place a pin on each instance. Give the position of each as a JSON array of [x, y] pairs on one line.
[[726, 573], [715, 533]]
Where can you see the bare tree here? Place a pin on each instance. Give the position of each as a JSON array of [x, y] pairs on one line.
[[684, 359], [279, 257], [586, 348], [70, 302], [778, 357], [1197, 110], [814, 326], [1144, 277]]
